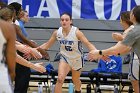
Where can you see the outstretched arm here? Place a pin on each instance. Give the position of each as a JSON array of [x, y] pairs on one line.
[[28, 51], [30, 43], [38, 66], [49, 43], [119, 48], [23, 38]]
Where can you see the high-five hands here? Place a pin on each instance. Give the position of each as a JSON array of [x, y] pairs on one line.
[[94, 55]]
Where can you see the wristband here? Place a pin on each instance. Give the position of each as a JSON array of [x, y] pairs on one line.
[[100, 52]]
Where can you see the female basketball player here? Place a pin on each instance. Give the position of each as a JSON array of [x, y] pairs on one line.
[[70, 38]]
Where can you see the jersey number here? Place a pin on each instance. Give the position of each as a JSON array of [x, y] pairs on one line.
[[68, 48]]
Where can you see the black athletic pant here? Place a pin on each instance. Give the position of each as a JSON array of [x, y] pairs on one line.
[[22, 78]]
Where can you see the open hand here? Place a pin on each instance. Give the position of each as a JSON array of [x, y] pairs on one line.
[[38, 67], [94, 55]]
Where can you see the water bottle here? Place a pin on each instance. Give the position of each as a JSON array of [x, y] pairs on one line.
[[71, 87], [40, 87], [88, 88], [52, 85]]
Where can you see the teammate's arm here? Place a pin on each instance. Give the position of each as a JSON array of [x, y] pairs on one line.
[[30, 43], [24, 39]]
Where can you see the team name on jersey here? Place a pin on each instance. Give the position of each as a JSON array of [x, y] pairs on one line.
[[66, 42]]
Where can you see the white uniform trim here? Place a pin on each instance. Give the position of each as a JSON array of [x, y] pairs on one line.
[[134, 69]]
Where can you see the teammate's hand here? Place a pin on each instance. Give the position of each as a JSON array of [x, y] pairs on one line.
[[38, 67], [33, 54], [94, 55], [44, 54]]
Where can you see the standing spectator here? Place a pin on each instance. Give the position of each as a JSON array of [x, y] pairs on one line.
[[23, 73]]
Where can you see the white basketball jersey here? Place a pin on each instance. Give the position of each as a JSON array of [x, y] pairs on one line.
[[5, 86], [70, 46]]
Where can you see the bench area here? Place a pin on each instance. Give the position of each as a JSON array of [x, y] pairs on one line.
[[98, 32]]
